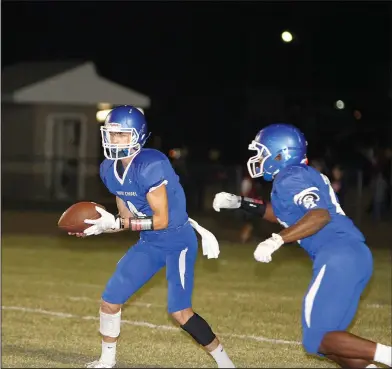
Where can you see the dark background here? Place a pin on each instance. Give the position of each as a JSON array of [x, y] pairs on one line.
[[203, 62]]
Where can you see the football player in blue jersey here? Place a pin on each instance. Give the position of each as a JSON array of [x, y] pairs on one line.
[[303, 201], [151, 200]]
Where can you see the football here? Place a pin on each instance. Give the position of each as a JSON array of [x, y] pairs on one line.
[[73, 218]]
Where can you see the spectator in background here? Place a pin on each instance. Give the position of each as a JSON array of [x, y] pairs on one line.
[[338, 183], [180, 164], [388, 175], [318, 164], [379, 187]]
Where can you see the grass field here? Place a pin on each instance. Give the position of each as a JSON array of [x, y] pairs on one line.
[[51, 287]]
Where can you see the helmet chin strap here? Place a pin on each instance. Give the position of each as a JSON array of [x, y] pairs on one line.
[[128, 153], [124, 153]]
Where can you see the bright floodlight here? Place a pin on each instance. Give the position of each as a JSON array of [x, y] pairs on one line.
[[287, 36], [339, 104], [102, 114]]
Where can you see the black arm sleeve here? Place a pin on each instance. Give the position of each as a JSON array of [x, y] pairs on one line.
[[253, 206]]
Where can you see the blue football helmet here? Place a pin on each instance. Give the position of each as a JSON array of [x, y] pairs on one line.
[[124, 119], [278, 146]]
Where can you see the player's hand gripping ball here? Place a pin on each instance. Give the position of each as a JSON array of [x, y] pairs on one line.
[[106, 223], [72, 220]]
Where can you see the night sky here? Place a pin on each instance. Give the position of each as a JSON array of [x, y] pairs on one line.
[[198, 60]]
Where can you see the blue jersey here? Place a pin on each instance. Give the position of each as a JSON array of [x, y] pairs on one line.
[[298, 189], [148, 170]]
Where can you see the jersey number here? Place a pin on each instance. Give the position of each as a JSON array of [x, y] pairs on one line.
[[332, 195], [134, 211]]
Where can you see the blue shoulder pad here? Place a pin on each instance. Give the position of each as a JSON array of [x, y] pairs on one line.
[[295, 186], [156, 169]]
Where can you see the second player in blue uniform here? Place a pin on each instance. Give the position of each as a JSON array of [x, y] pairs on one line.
[[303, 201]]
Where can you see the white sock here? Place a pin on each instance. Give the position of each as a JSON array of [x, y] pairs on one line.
[[371, 366], [383, 354], [221, 358], [108, 355]]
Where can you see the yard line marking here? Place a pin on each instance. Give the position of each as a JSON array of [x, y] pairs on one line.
[[377, 306], [146, 324], [152, 305], [237, 295], [88, 285], [69, 283]]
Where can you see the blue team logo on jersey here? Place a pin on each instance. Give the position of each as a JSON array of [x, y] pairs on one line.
[[309, 201], [307, 198]]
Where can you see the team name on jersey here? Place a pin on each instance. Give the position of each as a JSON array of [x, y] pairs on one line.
[[125, 193]]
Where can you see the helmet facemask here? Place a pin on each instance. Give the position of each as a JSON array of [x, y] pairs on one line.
[[115, 151], [261, 164], [278, 146], [256, 163]]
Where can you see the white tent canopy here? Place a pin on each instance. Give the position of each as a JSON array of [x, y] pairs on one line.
[[65, 83]]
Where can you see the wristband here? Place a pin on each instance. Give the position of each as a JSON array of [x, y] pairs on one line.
[[253, 206], [141, 224]]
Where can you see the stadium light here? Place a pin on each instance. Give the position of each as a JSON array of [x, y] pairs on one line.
[[214, 154], [339, 104], [287, 36], [102, 114]]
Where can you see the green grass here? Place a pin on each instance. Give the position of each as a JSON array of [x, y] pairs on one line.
[[244, 301]]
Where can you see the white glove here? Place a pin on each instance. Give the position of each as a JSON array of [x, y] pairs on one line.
[[209, 242], [266, 248], [107, 222], [225, 200]]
